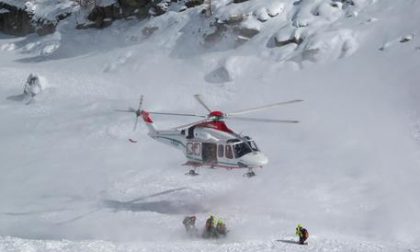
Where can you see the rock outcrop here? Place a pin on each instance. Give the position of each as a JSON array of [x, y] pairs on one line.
[[15, 21], [19, 21]]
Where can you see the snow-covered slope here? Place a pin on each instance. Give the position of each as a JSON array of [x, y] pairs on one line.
[[349, 171]]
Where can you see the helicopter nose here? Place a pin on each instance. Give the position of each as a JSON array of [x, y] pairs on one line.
[[254, 159]]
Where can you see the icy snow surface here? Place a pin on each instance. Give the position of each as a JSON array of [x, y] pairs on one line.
[[349, 171]]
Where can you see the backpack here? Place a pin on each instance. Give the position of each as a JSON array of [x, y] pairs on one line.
[[305, 233]]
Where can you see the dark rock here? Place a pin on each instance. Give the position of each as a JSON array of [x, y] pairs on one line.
[[134, 3], [20, 22], [159, 9], [16, 21], [193, 3], [148, 31], [295, 40], [233, 20], [344, 2], [239, 1], [103, 16], [138, 8], [406, 39], [336, 4], [45, 29], [247, 32]]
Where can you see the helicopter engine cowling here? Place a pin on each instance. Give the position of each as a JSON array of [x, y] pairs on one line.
[[199, 133]]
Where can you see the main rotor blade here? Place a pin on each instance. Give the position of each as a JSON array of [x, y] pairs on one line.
[[129, 110], [200, 100], [177, 114], [260, 120], [262, 107], [191, 124], [135, 124], [141, 102]]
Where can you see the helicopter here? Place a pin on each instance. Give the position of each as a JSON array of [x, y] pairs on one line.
[[210, 142]]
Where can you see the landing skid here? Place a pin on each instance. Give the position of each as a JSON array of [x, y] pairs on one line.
[[192, 172], [250, 173]]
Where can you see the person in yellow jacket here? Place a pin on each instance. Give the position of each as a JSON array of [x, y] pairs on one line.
[[302, 233], [214, 228], [221, 228]]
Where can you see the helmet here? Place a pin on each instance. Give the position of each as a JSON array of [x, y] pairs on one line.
[[299, 226]]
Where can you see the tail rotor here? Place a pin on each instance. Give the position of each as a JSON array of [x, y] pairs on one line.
[[138, 113]]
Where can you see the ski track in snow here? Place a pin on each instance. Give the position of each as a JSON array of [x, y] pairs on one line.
[[71, 181]]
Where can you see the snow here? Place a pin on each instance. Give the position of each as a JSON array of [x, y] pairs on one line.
[[71, 181], [2, 11]]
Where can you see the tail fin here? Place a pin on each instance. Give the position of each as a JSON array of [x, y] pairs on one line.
[[149, 122]]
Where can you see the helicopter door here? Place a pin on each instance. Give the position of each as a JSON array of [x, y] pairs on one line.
[[209, 152]]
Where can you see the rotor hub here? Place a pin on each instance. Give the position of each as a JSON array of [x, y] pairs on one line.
[[216, 114]]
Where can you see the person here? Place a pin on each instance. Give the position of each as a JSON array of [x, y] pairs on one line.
[[221, 228], [32, 86], [189, 224], [302, 233], [210, 229]]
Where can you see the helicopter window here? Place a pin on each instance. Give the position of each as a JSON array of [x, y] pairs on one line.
[[190, 132], [196, 149], [254, 147], [228, 151], [220, 151], [233, 140], [241, 149], [190, 148]]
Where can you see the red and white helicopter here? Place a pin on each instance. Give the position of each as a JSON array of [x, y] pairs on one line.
[[209, 142]]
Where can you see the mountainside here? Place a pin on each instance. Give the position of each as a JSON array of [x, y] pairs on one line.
[[71, 180]]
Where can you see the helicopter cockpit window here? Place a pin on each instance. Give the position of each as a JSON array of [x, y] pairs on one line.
[[229, 153], [241, 149], [254, 147]]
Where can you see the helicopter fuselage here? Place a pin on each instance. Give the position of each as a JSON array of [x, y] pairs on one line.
[[210, 144]]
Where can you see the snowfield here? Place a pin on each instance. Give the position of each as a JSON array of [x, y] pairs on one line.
[[349, 172]]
